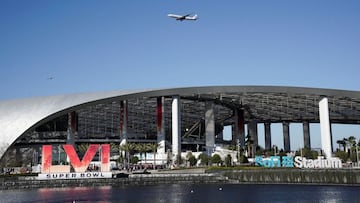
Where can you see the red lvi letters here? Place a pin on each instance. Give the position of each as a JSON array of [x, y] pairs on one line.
[[79, 166]]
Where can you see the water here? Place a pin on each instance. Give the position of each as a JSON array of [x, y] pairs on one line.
[[199, 193]]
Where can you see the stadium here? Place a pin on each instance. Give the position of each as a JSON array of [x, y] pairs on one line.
[[176, 119]]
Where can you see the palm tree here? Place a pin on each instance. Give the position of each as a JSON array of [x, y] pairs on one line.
[[153, 147], [351, 140], [116, 147], [82, 148], [142, 148], [341, 143], [127, 148], [352, 143]]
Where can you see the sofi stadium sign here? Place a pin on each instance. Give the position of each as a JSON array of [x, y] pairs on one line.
[[298, 161], [49, 171]]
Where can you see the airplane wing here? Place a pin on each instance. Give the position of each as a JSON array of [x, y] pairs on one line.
[[191, 17]]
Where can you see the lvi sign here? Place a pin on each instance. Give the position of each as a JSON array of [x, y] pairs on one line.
[[49, 171]]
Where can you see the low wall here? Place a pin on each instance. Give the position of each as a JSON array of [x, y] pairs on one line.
[[138, 179], [287, 176], [264, 176]]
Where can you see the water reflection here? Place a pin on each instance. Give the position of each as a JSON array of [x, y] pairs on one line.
[[177, 193], [188, 193], [75, 194], [334, 194]]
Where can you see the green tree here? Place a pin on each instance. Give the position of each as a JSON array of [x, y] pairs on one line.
[[216, 159], [153, 147], [191, 159], [341, 143], [342, 155], [244, 159], [228, 160], [128, 148], [115, 147], [134, 160], [307, 153], [204, 159], [82, 148], [142, 148], [351, 144]]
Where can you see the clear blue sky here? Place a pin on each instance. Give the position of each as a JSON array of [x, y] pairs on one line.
[[89, 46]]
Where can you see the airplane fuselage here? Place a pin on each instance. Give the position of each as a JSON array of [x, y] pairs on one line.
[[183, 17]]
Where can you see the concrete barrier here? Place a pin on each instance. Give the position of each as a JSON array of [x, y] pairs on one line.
[[266, 176], [287, 176], [138, 179]]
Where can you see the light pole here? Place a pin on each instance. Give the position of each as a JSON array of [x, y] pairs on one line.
[[238, 145], [274, 146], [357, 153], [59, 153]]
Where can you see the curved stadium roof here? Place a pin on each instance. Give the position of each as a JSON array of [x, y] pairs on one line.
[[99, 112]]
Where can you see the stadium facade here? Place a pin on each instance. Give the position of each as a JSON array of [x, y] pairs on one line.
[[178, 119]]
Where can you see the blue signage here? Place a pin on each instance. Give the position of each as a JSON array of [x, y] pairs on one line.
[[274, 161], [299, 162]]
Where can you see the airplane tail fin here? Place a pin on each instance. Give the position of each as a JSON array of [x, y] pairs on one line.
[[195, 16]]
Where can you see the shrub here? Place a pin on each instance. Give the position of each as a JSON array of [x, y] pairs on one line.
[[192, 160], [135, 160], [216, 159], [228, 160], [204, 159]]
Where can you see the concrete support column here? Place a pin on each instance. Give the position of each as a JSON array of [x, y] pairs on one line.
[[18, 156], [220, 136], [123, 122], [209, 127], [306, 130], [160, 125], [72, 128], [253, 133], [176, 128], [325, 128], [36, 153], [267, 136], [286, 134], [239, 132]]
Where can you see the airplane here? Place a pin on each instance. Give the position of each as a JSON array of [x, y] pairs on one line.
[[183, 17]]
